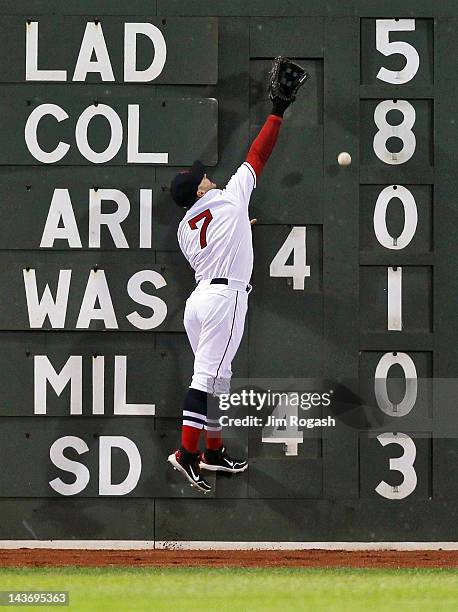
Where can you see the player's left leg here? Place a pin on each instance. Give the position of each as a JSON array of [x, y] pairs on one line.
[[216, 458], [214, 321], [220, 461]]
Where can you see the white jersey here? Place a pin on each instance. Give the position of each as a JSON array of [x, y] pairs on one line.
[[215, 233]]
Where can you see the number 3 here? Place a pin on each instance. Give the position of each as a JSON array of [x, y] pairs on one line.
[[207, 217], [403, 464]]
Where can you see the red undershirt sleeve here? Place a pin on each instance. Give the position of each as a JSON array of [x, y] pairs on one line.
[[264, 143]]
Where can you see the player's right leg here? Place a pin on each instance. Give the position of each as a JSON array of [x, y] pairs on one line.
[[186, 459], [188, 464]]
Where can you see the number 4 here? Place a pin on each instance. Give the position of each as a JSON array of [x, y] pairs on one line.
[[296, 244], [283, 431]]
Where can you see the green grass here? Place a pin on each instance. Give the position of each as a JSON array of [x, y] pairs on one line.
[[245, 590]]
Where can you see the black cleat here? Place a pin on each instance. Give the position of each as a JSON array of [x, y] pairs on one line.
[[188, 464], [219, 461]]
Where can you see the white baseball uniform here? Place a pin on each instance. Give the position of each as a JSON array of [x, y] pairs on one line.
[[215, 237]]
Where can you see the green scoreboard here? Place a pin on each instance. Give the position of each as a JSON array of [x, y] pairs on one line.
[[355, 281]]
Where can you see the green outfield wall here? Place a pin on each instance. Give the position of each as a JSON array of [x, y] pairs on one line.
[[101, 104]]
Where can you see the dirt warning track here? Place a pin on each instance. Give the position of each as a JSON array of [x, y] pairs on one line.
[[25, 557]]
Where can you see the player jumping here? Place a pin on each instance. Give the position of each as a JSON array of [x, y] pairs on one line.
[[215, 237]]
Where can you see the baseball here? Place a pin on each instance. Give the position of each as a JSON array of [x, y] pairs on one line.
[[344, 159]]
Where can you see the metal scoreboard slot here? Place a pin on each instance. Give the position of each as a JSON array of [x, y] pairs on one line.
[[401, 136]]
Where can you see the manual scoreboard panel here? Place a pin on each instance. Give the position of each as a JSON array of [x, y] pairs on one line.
[[354, 278]]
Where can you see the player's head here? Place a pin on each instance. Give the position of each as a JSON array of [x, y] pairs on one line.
[[205, 185], [190, 185]]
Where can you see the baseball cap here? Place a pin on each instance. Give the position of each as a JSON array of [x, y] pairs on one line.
[[184, 186]]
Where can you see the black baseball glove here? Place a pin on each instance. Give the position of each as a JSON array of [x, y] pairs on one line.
[[285, 79]]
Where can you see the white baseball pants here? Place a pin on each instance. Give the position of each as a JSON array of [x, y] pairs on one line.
[[214, 319]]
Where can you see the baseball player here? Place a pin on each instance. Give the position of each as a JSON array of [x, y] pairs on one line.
[[215, 237]]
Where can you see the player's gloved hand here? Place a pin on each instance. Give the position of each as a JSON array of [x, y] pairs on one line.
[[279, 106], [285, 79]]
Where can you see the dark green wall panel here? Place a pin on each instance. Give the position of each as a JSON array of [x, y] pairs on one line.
[[375, 460], [340, 233], [232, 93], [76, 519], [423, 363], [275, 305], [306, 520], [417, 284], [445, 457], [28, 193], [446, 127], [340, 463], [422, 241], [79, 7], [310, 8], [446, 280], [60, 40], [422, 38], [194, 136], [285, 193], [14, 314], [285, 478], [158, 369], [423, 155], [286, 36], [210, 102], [31, 476]]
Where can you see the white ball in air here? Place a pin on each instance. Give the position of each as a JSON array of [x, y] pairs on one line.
[[344, 159]]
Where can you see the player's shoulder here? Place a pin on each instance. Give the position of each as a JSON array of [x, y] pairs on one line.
[[248, 169], [243, 179], [183, 224]]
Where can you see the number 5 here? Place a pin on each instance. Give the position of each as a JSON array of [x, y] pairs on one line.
[[383, 44]]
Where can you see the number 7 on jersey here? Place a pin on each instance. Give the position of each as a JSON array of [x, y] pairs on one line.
[[206, 217]]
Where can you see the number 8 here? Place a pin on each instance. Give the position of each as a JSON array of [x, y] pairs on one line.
[[402, 131]]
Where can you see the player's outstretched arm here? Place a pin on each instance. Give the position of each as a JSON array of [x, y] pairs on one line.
[[264, 143], [285, 79]]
